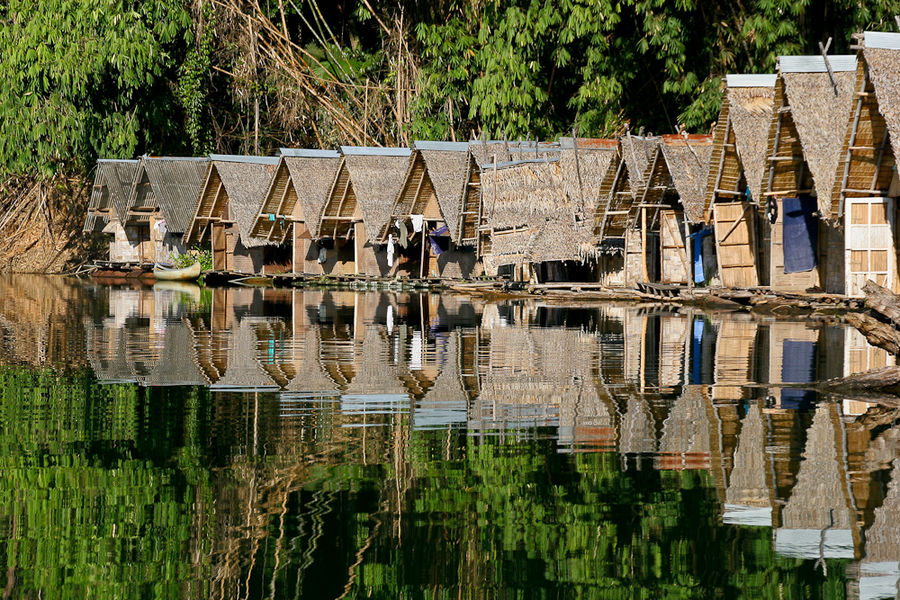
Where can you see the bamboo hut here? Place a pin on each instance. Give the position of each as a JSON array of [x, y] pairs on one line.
[[670, 202], [293, 203], [736, 175], [244, 372], [812, 100], [539, 212], [357, 209], [434, 191], [109, 196], [161, 201], [230, 199], [863, 198], [615, 216]]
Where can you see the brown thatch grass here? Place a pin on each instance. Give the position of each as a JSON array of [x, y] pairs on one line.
[[447, 171], [312, 179], [884, 65], [484, 152], [751, 113], [376, 180], [821, 121], [637, 153], [688, 164], [246, 184], [523, 194]]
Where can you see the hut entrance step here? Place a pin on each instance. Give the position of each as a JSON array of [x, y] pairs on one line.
[[661, 290]]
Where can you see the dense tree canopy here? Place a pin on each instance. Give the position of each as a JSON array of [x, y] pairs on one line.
[[88, 78]]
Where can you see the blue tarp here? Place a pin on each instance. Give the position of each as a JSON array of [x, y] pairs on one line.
[[697, 254], [697, 352], [801, 233], [798, 365]]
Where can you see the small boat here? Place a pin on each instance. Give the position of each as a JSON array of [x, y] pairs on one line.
[[186, 274]]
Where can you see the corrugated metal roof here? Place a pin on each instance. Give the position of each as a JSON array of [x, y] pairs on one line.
[[882, 39], [238, 158], [514, 163], [441, 146], [816, 64], [310, 153], [566, 143], [117, 160], [374, 151], [750, 80], [176, 183]]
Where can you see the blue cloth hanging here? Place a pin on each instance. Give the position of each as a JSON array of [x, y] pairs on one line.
[[439, 232], [697, 254], [800, 234], [697, 352]]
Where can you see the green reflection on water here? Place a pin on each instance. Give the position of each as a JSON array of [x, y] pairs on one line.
[[118, 491]]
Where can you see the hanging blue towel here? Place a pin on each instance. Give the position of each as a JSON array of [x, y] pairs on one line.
[[798, 365], [432, 237], [697, 254], [801, 233]]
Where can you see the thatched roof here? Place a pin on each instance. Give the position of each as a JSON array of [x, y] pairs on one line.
[[637, 432], [584, 162], [751, 100], [749, 485], [446, 401], [820, 115], [883, 537], [312, 178], [245, 180], [112, 185], [637, 152], [686, 429], [377, 174], [522, 193], [448, 166], [882, 54], [687, 159], [310, 377], [176, 365], [622, 185], [176, 183]]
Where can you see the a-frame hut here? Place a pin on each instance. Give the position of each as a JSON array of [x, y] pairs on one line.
[[435, 190], [234, 189], [112, 185], [736, 175], [616, 213], [812, 100], [293, 204], [358, 208], [863, 199], [540, 211], [160, 203], [673, 195]]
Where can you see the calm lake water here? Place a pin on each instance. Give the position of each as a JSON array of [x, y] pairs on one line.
[[246, 443]]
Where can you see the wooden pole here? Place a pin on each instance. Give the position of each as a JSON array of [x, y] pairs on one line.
[[578, 167], [824, 51], [644, 244], [422, 254], [690, 255]]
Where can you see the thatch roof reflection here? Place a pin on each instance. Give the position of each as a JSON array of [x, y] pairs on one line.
[[685, 441], [244, 371], [748, 498], [637, 432]]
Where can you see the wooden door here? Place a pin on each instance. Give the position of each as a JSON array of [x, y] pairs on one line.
[[230, 244], [869, 243], [674, 256], [736, 244], [778, 279], [218, 246]]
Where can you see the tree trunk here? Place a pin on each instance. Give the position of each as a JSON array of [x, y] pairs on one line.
[[883, 301], [877, 333]]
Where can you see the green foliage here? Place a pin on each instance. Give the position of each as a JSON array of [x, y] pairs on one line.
[[194, 80], [80, 79], [195, 254]]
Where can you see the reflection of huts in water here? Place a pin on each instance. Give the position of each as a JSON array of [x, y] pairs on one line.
[[673, 196], [160, 205], [235, 187], [793, 351], [734, 359], [109, 195], [637, 428], [818, 520], [376, 389], [210, 348], [863, 198], [177, 364], [304, 368], [685, 442], [446, 403], [880, 566], [808, 125], [749, 497], [244, 371], [736, 175], [673, 337], [424, 230], [293, 203], [106, 353], [615, 217], [539, 212]]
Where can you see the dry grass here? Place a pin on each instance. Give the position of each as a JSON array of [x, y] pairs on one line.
[[376, 182], [750, 112], [688, 164], [821, 121], [884, 65], [447, 171], [246, 184]]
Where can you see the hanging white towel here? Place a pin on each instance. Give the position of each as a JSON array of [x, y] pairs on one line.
[[415, 351], [417, 222], [390, 250], [390, 319], [323, 255]]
